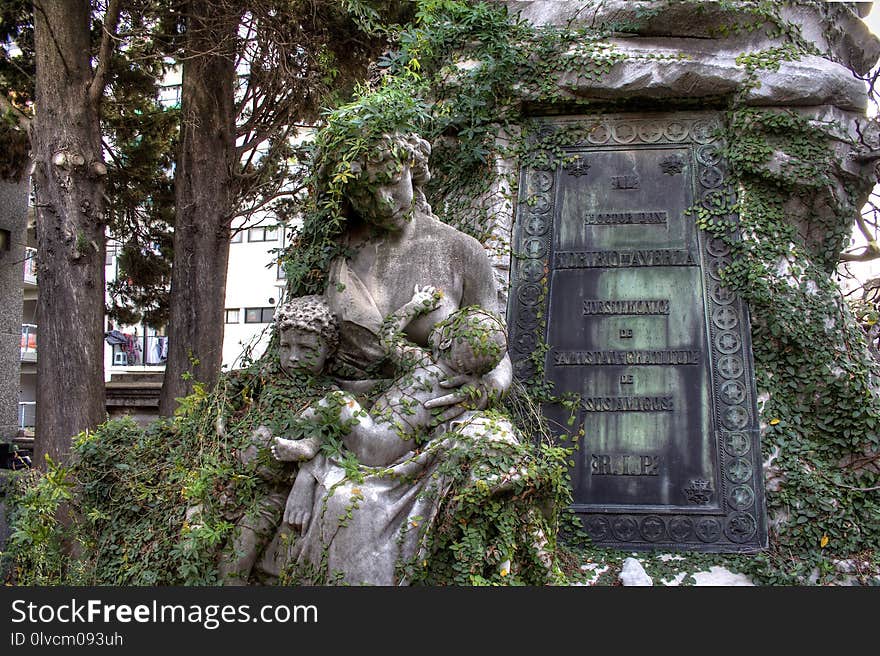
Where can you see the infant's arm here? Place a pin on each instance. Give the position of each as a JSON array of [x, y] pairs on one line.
[[424, 300]]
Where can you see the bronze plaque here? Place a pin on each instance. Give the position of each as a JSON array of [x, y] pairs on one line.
[[621, 297]]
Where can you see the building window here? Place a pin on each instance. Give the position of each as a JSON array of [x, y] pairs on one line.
[[109, 255], [259, 315], [233, 315], [236, 237], [169, 95], [263, 234]]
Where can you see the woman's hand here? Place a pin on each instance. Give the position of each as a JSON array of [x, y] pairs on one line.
[[471, 393]]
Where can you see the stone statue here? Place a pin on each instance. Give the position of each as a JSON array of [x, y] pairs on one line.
[[469, 343], [441, 352], [396, 243], [307, 336]]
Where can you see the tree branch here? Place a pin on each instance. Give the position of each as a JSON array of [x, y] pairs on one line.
[[265, 198], [108, 38], [870, 252], [24, 121]]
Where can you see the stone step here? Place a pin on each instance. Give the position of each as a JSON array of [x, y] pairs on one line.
[[138, 376]]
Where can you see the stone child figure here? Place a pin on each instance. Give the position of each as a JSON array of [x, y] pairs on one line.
[[468, 344], [308, 336]]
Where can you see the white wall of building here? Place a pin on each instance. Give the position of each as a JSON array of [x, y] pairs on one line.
[[253, 290]]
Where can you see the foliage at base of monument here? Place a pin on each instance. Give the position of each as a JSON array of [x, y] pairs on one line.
[[493, 531], [156, 505], [159, 505]]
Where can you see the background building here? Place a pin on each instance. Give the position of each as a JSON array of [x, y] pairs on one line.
[[254, 286], [27, 397], [134, 356], [15, 277]]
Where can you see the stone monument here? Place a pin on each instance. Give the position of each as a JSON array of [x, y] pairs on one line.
[[611, 275], [641, 327]]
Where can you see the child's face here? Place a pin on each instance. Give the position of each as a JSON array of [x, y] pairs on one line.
[[302, 351]]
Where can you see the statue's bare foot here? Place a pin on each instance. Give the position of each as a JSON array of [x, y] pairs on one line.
[[294, 450], [298, 510]]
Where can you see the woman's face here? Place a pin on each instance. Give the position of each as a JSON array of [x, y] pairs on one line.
[[387, 201]]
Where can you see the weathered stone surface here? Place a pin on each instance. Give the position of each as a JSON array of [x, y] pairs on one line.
[[850, 134], [135, 395], [721, 576], [675, 580], [715, 576], [645, 17], [694, 69], [810, 81], [835, 30], [633, 574], [839, 32], [497, 217]]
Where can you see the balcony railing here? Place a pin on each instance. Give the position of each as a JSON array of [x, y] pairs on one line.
[[27, 414], [28, 342], [30, 265]]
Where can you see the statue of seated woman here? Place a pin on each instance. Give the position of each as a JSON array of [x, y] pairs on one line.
[[367, 518], [396, 242]]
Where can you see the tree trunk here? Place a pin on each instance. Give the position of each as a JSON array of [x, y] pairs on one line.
[[204, 197], [69, 186]]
